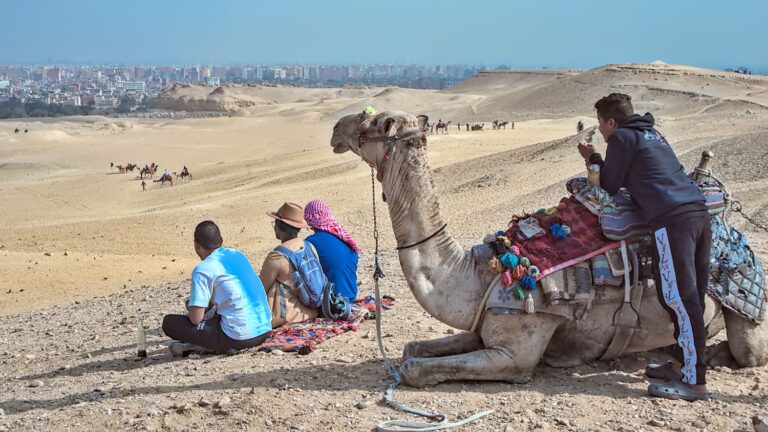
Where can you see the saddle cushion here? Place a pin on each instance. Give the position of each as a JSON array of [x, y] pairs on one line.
[[736, 279]]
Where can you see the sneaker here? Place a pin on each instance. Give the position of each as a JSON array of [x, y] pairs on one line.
[[182, 349]]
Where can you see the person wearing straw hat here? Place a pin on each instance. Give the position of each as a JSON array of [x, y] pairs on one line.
[[277, 270]]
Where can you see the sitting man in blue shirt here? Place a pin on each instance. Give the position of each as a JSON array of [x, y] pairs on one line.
[[335, 247], [225, 281]]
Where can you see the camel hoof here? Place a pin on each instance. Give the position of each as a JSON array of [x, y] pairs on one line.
[[720, 355], [409, 372]]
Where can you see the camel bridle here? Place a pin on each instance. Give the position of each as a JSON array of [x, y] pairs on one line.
[[390, 143]]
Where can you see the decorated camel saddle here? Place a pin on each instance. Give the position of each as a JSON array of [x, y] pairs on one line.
[[592, 240]]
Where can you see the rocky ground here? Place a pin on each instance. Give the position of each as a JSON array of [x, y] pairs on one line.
[[74, 367]]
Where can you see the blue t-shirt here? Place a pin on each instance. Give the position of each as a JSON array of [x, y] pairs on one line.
[[339, 262], [227, 279]]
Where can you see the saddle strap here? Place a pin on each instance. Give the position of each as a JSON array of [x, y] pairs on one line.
[[628, 318]]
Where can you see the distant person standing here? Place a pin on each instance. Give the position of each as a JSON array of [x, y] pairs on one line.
[[467, 126], [143, 185], [579, 127]]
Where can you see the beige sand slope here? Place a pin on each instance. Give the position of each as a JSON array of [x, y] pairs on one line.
[[83, 251]]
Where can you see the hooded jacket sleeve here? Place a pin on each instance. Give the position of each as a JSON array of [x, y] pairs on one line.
[[618, 158]]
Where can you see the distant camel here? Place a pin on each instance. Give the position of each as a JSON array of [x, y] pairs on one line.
[[478, 127], [148, 170], [495, 124], [443, 126], [184, 175], [163, 179], [503, 125], [16, 130], [128, 167]]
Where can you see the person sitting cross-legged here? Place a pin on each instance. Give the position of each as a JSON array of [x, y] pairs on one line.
[[226, 284], [337, 250], [277, 272]]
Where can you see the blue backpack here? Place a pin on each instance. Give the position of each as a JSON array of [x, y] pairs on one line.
[[312, 286], [308, 275]]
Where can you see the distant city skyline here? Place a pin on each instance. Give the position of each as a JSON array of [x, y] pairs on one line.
[[518, 34]]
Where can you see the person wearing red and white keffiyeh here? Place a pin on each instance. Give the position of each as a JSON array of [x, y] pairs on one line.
[[337, 250]]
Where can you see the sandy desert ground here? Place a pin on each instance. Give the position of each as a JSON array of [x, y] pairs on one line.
[[83, 251]]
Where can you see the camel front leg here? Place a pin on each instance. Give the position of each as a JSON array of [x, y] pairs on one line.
[[514, 346], [456, 344], [748, 342]]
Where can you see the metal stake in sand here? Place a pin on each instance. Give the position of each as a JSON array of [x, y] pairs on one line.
[[141, 347]]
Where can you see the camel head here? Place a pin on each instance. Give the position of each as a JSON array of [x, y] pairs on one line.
[[353, 129]]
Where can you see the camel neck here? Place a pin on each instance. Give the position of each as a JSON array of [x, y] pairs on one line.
[[443, 276]]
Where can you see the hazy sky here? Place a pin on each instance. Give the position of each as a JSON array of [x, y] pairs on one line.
[[531, 33]]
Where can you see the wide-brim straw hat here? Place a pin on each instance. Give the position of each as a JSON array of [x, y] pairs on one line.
[[290, 213]]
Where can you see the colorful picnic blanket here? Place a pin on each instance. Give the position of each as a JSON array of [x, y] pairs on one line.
[[304, 337], [550, 254]]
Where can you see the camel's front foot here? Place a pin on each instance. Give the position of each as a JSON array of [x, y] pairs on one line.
[[456, 344], [720, 355], [413, 375], [483, 365]]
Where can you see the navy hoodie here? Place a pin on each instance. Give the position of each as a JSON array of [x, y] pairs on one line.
[[639, 158]]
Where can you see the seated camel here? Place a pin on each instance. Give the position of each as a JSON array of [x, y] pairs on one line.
[[450, 282]]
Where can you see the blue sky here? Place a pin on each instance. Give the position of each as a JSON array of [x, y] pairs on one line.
[[555, 33]]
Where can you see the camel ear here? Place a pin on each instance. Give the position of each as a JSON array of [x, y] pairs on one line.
[[423, 120], [390, 127], [365, 125]]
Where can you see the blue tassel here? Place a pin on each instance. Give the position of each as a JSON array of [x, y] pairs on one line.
[[558, 231], [509, 260], [527, 282]]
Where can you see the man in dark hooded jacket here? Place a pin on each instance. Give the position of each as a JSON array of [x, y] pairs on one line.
[[640, 159]]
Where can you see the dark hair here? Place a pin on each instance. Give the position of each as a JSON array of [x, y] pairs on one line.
[[207, 235], [616, 106], [288, 229]]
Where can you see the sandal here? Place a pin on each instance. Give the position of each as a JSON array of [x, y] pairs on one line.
[[662, 371], [675, 390]]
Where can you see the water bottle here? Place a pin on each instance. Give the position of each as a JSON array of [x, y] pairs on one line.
[[593, 174]]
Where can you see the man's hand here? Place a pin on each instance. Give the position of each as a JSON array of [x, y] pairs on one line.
[[586, 150]]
